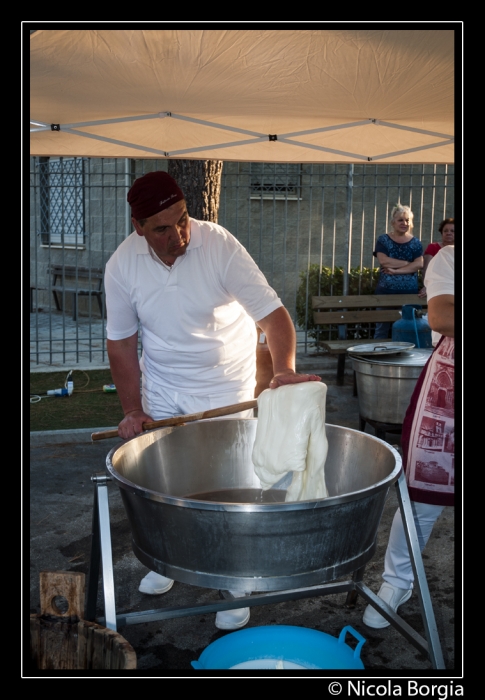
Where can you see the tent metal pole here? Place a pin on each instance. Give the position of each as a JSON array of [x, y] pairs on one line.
[[127, 206], [348, 226]]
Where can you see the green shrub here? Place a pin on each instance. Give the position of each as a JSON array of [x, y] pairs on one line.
[[327, 282]]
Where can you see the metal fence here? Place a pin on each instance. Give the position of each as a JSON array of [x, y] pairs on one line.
[[290, 217]]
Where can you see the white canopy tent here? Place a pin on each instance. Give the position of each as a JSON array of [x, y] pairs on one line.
[[277, 95]]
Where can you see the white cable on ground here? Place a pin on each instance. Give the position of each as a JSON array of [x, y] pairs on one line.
[[67, 389], [35, 398]]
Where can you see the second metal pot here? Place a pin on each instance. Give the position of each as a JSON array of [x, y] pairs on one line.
[[385, 385]]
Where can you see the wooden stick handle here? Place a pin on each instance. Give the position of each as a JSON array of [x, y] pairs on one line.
[[179, 420]]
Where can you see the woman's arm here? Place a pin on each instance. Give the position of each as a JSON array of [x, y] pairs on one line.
[[441, 314], [406, 269], [427, 260], [385, 260]]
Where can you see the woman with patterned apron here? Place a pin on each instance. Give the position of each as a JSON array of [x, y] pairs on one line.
[[427, 441]]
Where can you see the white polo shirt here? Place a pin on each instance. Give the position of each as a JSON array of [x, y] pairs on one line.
[[197, 319]]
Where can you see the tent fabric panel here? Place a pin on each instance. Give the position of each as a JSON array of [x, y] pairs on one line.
[[261, 81]]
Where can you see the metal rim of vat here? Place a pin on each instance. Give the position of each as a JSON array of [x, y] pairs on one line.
[[327, 502]]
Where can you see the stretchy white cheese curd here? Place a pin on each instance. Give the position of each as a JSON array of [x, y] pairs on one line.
[[291, 437]]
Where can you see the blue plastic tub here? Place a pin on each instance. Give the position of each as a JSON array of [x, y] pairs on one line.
[[282, 647]]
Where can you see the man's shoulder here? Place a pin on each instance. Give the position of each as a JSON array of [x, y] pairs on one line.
[[211, 233], [130, 241], [208, 226], [128, 248]]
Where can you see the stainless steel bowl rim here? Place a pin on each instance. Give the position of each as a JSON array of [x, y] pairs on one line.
[[253, 507]]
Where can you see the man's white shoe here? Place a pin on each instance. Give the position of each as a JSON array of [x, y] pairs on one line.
[[233, 619], [155, 584], [391, 595]]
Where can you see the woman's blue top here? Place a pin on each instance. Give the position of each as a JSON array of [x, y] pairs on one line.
[[409, 251]]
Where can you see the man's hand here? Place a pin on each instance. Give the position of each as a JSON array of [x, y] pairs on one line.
[[132, 424], [289, 377]]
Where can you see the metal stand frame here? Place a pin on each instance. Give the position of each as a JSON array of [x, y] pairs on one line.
[[101, 552], [380, 428]]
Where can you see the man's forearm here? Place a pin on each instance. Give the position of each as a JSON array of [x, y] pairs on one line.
[[280, 332], [125, 371], [281, 336]]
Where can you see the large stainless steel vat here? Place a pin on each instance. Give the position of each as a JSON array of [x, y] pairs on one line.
[[251, 545], [385, 384]]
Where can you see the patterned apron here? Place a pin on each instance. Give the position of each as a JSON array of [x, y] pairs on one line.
[[428, 433]]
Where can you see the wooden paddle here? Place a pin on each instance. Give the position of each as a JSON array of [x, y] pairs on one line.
[[179, 420]]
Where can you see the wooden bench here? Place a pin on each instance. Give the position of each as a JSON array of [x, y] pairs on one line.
[[35, 288], [342, 310], [77, 281]]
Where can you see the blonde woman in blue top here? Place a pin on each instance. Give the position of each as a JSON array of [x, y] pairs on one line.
[[400, 257]]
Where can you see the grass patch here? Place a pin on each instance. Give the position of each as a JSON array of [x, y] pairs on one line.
[[87, 407]]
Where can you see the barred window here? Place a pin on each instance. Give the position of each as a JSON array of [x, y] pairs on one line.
[[276, 180], [62, 201]]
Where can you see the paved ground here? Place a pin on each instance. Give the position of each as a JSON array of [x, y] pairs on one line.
[[57, 342], [61, 510]]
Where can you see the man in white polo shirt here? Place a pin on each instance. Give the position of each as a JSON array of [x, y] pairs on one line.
[[196, 296]]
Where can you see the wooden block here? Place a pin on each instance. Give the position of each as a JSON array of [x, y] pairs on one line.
[[64, 641], [67, 584]]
